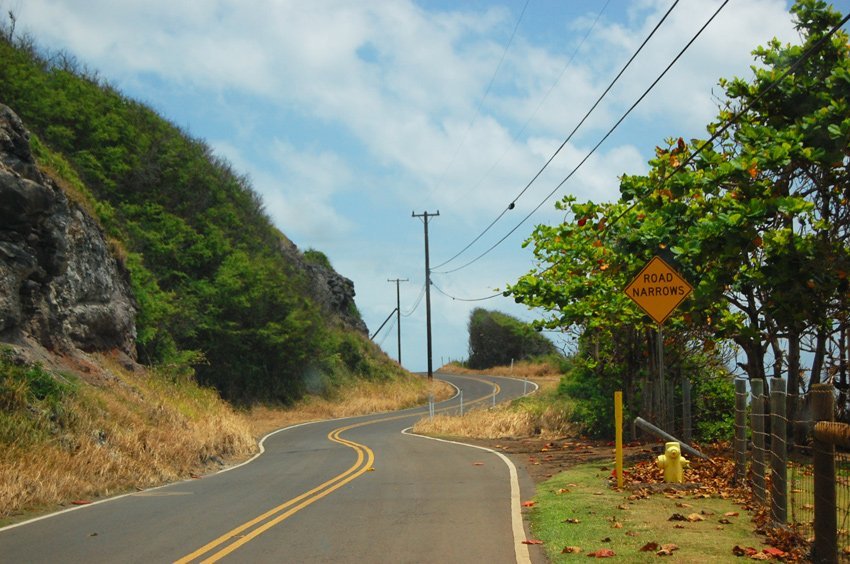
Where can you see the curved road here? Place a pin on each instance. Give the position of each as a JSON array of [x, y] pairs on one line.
[[349, 490]]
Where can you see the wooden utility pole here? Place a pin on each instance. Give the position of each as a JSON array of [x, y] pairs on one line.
[[425, 217], [398, 311]]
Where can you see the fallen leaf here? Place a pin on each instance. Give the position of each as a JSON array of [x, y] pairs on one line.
[[602, 553], [678, 526], [631, 534], [528, 504], [606, 539], [80, 502], [743, 551], [571, 550], [773, 551], [649, 547], [683, 504], [731, 514], [725, 521], [670, 547], [760, 556], [562, 491], [694, 517], [572, 521], [617, 525], [532, 541], [677, 517]]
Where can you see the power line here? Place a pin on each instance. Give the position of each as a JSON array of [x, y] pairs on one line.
[[595, 147], [512, 204], [734, 119], [742, 111], [484, 97], [416, 305], [465, 299], [522, 129]]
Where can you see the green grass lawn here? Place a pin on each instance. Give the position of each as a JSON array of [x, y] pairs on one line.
[[578, 508]]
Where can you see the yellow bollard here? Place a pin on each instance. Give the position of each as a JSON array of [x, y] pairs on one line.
[[673, 463]]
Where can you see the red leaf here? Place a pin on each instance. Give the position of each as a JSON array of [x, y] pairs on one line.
[[532, 541], [80, 502], [602, 553], [528, 504], [772, 551]]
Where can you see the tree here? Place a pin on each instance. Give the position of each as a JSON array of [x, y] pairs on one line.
[[497, 339]]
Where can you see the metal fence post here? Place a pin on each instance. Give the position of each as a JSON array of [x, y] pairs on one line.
[[825, 547], [779, 454], [740, 430]]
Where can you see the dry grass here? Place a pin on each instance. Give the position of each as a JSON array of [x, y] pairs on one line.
[[357, 399], [131, 431], [530, 417], [541, 415], [122, 430]]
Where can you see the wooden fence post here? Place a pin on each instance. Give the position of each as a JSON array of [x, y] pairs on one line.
[[687, 421], [779, 454], [758, 402], [740, 430], [825, 548]]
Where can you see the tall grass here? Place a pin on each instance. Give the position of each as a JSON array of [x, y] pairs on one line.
[[543, 415], [62, 439]]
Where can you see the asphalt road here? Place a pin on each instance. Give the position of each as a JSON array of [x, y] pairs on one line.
[[348, 490]]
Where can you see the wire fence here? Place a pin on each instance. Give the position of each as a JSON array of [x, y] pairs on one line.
[[797, 466]]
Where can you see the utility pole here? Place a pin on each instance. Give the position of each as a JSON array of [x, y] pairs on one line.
[[425, 217], [398, 312]]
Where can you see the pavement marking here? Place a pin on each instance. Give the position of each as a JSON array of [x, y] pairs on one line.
[[238, 536], [520, 550], [365, 459]]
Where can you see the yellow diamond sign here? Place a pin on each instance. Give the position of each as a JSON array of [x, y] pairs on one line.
[[658, 289]]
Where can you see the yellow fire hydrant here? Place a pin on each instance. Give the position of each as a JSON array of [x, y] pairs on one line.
[[673, 463]]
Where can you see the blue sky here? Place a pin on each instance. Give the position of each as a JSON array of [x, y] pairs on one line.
[[350, 115]]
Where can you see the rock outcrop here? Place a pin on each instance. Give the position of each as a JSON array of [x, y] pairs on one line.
[[333, 292], [59, 282]]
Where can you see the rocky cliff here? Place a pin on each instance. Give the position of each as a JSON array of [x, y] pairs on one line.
[[333, 292], [60, 284]]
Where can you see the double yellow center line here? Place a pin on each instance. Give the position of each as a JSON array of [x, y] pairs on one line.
[[233, 539], [242, 534]]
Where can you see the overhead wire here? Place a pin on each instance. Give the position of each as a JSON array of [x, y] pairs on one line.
[[522, 129], [464, 299], [415, 305], [729, 123], [581, 122], [595, 147], [484, 97]]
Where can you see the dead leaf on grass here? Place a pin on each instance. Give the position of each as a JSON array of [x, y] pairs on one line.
[[528, 504], [571, 550], [532, 541], [677, 517], [649, 547], [695, 517], [602, 553]]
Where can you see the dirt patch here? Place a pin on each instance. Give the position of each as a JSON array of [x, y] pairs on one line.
[[542, 459]]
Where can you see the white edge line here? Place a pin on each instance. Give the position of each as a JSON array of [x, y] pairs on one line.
[[260, 445], [520, 549]]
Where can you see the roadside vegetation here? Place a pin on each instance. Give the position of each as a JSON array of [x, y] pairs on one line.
[[218, 292], [72, 436]]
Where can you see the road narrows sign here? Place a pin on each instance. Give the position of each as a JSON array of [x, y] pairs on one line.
[[658, 289]]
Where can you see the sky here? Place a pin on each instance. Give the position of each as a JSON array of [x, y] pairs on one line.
[[351, 116]]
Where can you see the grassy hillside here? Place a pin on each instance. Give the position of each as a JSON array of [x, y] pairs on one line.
[[216, 294]]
